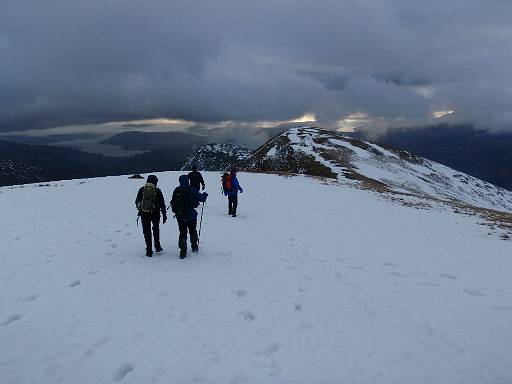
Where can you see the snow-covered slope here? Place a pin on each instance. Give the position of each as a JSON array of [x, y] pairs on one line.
[[216, 157], [312, 283], [320, 152]]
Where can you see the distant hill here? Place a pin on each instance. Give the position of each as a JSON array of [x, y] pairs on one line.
[[24, 163], [397, 173], [146, 141], [478, 153], [216, 157]]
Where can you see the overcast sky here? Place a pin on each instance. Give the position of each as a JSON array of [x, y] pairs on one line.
[[75, 62]]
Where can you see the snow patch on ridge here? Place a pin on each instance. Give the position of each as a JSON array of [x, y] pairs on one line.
[[353, 161]]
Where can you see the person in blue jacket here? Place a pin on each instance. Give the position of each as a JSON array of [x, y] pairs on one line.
[[231, 188], [185, 199]]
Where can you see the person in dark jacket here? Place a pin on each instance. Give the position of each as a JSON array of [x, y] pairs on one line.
[[196, 179], [150, 202], [232, 192], [185, 199]]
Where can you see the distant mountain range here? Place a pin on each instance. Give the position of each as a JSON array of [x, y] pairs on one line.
[[24, 163], [486, 156]]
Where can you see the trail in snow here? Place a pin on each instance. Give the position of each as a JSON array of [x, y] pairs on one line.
[[311, 283]]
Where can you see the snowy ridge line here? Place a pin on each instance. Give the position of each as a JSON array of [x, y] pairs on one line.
[[353, 162]]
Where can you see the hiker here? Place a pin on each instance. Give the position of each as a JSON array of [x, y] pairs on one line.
[[231, 187], [195, 178], [185, 199], [150, 202]]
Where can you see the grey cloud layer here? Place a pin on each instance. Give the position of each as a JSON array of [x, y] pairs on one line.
[[71, 62]]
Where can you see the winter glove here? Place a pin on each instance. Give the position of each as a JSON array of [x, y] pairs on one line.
[[204, 186], [241, 190]]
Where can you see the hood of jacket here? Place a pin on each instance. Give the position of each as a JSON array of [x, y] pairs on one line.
[[183, 181]]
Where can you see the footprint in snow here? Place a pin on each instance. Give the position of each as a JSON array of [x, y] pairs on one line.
[[387, 264], [122, 371], [114, 246], [93, 271], [474, 292], [127, 233], [297, 306], [118, 231], [355, 267], [448, 276], [109, 253], [398, 274], [269, 350], [248, 315], [74, 283], [304, 326], [428, 284], [241, 293], [503, 308], [28, 298], [108, 240], [11, 319]]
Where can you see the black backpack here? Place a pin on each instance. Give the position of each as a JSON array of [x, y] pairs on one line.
[[181, 202], [195, 179]]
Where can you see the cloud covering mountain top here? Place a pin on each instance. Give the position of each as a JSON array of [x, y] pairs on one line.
[[94, 61]]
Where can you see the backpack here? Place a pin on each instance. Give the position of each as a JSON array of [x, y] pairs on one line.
[[180, 203], [226, 182], [194, 179], [148, 203]]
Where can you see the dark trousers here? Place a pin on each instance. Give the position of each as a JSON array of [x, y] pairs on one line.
[[191, 227], [232, 203], [149, 219]]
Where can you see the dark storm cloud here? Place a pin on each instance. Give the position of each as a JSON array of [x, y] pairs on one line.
[[80, 62]]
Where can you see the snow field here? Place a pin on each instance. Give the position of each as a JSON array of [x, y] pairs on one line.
[[310, 283]]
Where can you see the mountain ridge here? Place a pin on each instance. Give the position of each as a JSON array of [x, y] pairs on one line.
[[318, 152]]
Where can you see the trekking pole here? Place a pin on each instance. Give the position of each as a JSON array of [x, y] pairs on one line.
[[200, 224]]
